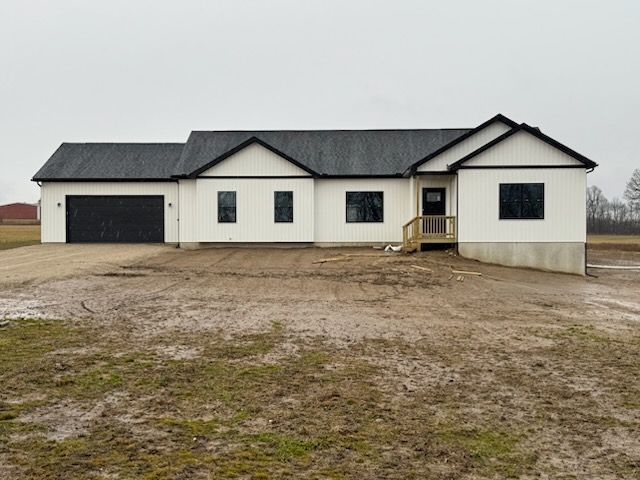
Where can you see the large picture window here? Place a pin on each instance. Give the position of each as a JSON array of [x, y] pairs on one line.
[[227, 207], [283, 207], [365, 207], [521, 200]]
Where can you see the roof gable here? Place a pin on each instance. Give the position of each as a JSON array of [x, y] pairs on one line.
[[238, 148], [457, 147], [538, 160], [254, 159]]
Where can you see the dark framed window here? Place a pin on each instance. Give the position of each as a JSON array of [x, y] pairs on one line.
[[521, 201], [283, 207], [227, 207], [365, 207]]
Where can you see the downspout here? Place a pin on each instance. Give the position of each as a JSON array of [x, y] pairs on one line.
[[457, 214], [179, 202]]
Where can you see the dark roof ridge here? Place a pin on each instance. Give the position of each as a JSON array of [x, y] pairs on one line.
[[285, 130]]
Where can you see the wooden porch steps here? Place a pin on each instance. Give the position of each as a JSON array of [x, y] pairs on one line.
[[428, 229]]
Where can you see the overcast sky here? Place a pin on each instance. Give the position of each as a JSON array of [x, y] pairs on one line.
[[145, 71]]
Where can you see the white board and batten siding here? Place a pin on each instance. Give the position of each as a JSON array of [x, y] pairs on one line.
[[440, 162], [564, 194], [521, 149], [54, 218], [331, 218], [254, 160], [255, 220]]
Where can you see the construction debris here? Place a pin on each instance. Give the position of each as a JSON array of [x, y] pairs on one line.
[[422, 268], [466, 272], [349, 256], [460, 278], [332, 259]]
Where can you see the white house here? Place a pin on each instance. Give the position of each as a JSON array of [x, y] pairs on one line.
[[502, 192]]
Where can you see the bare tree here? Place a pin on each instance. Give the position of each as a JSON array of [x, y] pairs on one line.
[[595, 200], [632, 192], [615, 216], [619, 211]]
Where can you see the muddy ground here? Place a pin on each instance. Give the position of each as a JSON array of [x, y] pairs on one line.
[[514, 373]]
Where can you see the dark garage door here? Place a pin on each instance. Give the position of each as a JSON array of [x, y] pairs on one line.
[[121, 218]]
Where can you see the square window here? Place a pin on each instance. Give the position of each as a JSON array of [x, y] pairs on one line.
[[521, 201], [365, 207]]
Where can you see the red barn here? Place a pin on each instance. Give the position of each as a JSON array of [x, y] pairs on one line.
[[19, 211]]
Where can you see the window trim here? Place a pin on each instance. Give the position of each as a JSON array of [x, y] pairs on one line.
[[275, 193], [346, 206], [500, 217], [235, 206]]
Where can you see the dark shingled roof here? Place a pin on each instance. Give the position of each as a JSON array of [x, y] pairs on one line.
[[324, 152], [111, 161]]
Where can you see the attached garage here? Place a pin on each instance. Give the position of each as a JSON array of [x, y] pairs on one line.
[[115, 218]]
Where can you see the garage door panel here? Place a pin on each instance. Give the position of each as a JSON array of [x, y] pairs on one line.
[[111, 218]]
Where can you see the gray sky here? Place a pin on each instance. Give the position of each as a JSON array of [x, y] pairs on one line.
[[144, 71]]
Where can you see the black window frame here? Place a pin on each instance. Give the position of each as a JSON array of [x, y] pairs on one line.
[[522, 202], [233, 208], [364, 220], [289, 218]]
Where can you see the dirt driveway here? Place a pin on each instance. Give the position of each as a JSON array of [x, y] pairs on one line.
[[372, 295], [546, 363]]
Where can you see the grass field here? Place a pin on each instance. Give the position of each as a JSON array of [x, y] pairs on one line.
[[90, 406], [12, 236], [614, 242]]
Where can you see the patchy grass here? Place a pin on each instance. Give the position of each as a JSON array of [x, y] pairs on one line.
[[614, 242], [323, 412], [495, 452], [13, 236]]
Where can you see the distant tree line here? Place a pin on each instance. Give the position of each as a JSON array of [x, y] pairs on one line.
[[615, 216]]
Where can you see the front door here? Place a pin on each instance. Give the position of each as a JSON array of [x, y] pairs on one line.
[[434, 203]]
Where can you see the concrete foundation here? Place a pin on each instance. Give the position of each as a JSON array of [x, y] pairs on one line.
[[200, 245], [554, 257], [354, 244]]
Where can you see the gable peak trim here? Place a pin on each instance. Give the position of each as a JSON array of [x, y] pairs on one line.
[[496, 118], [536, 132], [251, 141]]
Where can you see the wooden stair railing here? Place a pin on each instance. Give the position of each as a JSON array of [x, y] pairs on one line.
[[428, 229]]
